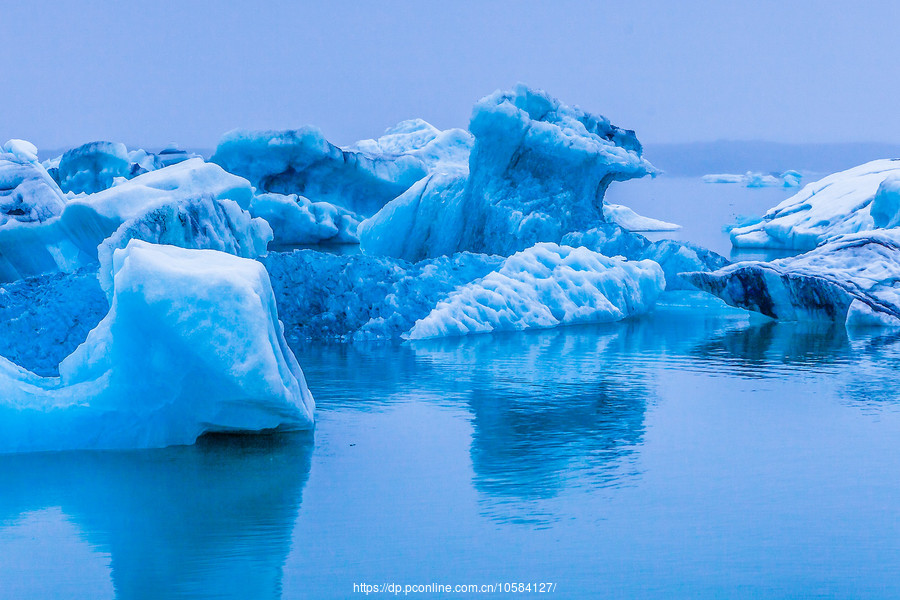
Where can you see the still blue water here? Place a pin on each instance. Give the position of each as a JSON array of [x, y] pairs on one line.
[[695, 452]]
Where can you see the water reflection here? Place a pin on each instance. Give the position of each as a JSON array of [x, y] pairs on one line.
[[213, 520]]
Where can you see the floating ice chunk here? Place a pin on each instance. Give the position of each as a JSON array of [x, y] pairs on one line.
[[322, 295], [172, 155], [538, 170], [191, 344], [296, 220], [69, 241], [27, 192], [673, 256], [303, 162], [546, 286], [850, 279], [835, 205], [627, 219], [757, 180]]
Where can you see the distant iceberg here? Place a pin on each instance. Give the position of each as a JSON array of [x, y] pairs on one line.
[[841, 203], [192, 344], [750, 179], [850, 279], [538, 170], [546, 286]]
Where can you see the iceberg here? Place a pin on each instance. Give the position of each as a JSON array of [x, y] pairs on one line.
[[546, 286], [838, 204], [361, 178], [538, 170], [849, 279], [192, 203], [296, 220], [93, 167], [357, 297], [750, 179], [191, 344], [27, 192], [675, 257]]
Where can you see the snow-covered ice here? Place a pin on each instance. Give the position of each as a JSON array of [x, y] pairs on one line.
[[538, 169], [191, 344], [27, 192], [850, 279], [838, 204], [545, 286]]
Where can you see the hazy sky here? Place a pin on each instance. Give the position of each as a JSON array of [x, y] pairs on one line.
[[151, 72]]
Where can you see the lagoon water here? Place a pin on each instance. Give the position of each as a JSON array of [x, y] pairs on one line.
[[695, 452]]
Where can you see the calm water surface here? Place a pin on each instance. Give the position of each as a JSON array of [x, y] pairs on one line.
[[696, 452]]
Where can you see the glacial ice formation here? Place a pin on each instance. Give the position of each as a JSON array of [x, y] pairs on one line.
[[192, 203], [545, 286], [850, 279], [361, 178], [750, 179], [838, 204], [323, 295], [673, 256], [296, 220], [191, 344], [27, 192], [538, 169]]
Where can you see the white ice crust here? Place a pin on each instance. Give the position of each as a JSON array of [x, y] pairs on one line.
[[838, 204]]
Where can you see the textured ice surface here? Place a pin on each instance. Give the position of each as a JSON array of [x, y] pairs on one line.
[[788, 179], [538, 170], [838, 204], [191, 203], [27, 192], [43, 319], [545, 286], [363, 179], [673, 256], [323, 295], [440, 151], [191, 344], [851, 278], [296, 220]]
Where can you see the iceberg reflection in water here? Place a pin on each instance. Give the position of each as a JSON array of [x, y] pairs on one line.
[[696, 451], [209, 520]]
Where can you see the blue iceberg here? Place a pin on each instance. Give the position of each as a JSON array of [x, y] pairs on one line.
[[27, 192], [191, 344], [850, 279], [538, 170]]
